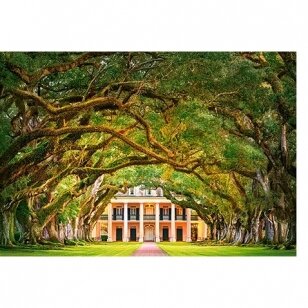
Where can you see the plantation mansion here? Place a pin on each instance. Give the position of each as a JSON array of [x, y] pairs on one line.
[[146, 215]]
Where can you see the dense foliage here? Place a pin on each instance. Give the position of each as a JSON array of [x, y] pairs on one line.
[[217, 131]]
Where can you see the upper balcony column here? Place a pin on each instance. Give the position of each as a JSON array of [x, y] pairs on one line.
[[109, 222], [188, 225], [125, 236], [157, 238], [172, 238], [141, 223]]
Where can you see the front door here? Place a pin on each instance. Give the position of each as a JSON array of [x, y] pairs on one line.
[[149, 233], [179, 234], [119, 234], [133, 236], [165, 234]]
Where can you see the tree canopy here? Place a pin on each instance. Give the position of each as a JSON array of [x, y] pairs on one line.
[[215, 130]]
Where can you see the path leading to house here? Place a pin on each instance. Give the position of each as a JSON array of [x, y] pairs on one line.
[[149, 250]]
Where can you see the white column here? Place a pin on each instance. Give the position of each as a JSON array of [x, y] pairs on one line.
[[141, 223], [125, 237], [157, 238], [173, 237], [188, 225], [109, 222]]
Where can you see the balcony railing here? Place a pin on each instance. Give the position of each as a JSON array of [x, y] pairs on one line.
[[134, 217], [180, 217], [164, 217], [149, 217], [118, 217]]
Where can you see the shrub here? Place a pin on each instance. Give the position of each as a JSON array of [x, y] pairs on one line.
[[104, 238]]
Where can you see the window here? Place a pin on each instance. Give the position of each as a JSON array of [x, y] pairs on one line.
[[119, 211], [131, 191], [149, 209], [165, 211], [133, 211]]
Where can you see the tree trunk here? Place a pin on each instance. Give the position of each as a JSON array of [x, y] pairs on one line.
[[275, 228], [214, 231], [229, 233], [52, 230], [87, 230], [35, 231], [7, 220], [209, 231], [291, 238], [248, 230], [61, 232], [255, 223], [243, 235], [261, 232], [81, 232], [75, 229], [282, 232], [269, 230], [247, 237], [238, 232], [68, 231], [20, 229], [284, 147]]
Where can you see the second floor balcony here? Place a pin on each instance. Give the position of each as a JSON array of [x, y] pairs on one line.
[[148, 217], [117, 217], [136, 217]]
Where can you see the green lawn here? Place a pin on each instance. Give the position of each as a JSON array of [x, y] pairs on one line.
[[127, 249], [95, 249], [191, 249]]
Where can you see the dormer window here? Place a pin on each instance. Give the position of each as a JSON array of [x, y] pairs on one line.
[[148, 192], [159, 192], [131, 191]]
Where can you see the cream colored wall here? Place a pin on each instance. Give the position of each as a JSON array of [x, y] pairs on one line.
[[202, 230], [97, 230]]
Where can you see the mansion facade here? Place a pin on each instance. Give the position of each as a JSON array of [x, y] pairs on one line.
[[145, 215]]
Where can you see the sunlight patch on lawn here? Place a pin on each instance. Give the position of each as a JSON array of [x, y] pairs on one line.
[[191, 249], [95, 249]]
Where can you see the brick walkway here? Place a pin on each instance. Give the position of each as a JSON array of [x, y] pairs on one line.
[[149, 250]]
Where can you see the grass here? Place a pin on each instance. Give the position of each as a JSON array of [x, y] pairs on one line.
[[127, 249], [93, 249], [191, 249]]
